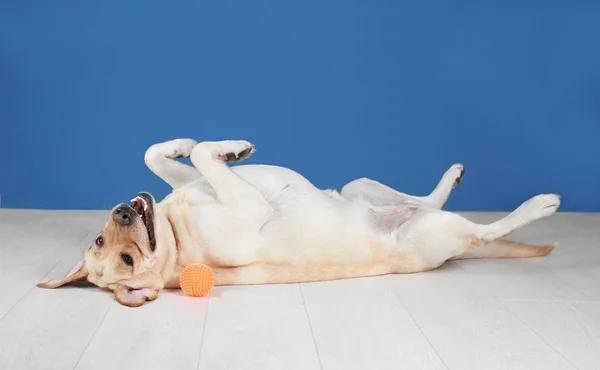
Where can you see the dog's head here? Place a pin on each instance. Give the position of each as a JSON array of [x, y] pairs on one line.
[[122, 256]]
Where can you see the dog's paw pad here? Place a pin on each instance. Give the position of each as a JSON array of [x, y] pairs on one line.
[[246, 150], [458, 172], [246, 153]]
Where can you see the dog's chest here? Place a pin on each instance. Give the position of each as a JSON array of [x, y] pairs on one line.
[[200, 223]]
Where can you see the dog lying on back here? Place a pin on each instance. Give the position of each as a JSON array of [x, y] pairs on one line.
[[260, 224]]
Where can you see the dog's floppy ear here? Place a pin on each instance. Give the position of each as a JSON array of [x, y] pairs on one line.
[[134, 297], [78, 273]]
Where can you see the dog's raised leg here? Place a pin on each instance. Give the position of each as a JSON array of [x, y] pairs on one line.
[[378, 194], [451, 178], [535, 208], [210, 159], [160, 159], [488, 242], [440, 236]]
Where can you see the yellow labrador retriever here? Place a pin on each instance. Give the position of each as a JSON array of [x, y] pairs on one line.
[[259, 224]]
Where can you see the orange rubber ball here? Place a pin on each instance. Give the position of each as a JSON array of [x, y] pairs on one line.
[[197, 280]]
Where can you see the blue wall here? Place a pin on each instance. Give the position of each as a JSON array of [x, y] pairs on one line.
[[392, 90]]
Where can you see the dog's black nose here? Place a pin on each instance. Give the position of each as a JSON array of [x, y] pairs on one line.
[[123, 215]]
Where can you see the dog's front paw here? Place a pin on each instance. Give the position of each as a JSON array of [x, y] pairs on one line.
[[235, 151], [228, 151], [182, 148]]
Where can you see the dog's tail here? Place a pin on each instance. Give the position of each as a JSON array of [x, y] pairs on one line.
[[506, 249]]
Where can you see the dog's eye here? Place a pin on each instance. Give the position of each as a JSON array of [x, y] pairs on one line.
[[99, 241], [127, 259]]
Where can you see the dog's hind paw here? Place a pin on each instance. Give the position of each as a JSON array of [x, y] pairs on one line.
[[458, 172], [542, 205]]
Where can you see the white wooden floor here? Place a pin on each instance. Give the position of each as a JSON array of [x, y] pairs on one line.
[[541, 313]]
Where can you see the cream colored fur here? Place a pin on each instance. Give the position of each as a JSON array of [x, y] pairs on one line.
[[259, 224]]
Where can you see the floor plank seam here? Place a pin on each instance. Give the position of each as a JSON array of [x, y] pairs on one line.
[[203, 330], [549, 300], [583, 292], [534, 332], [418, 326], [93, 336], [312, 333]]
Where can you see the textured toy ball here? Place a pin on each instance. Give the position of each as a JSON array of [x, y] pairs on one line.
[[197, 280]]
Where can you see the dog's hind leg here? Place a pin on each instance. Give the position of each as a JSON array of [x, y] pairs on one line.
[[488, 240], [378, 194], [488, 243], [437, 236], [535, 208], [374, 193], [451, 178], [160, 159], [490, 235]]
